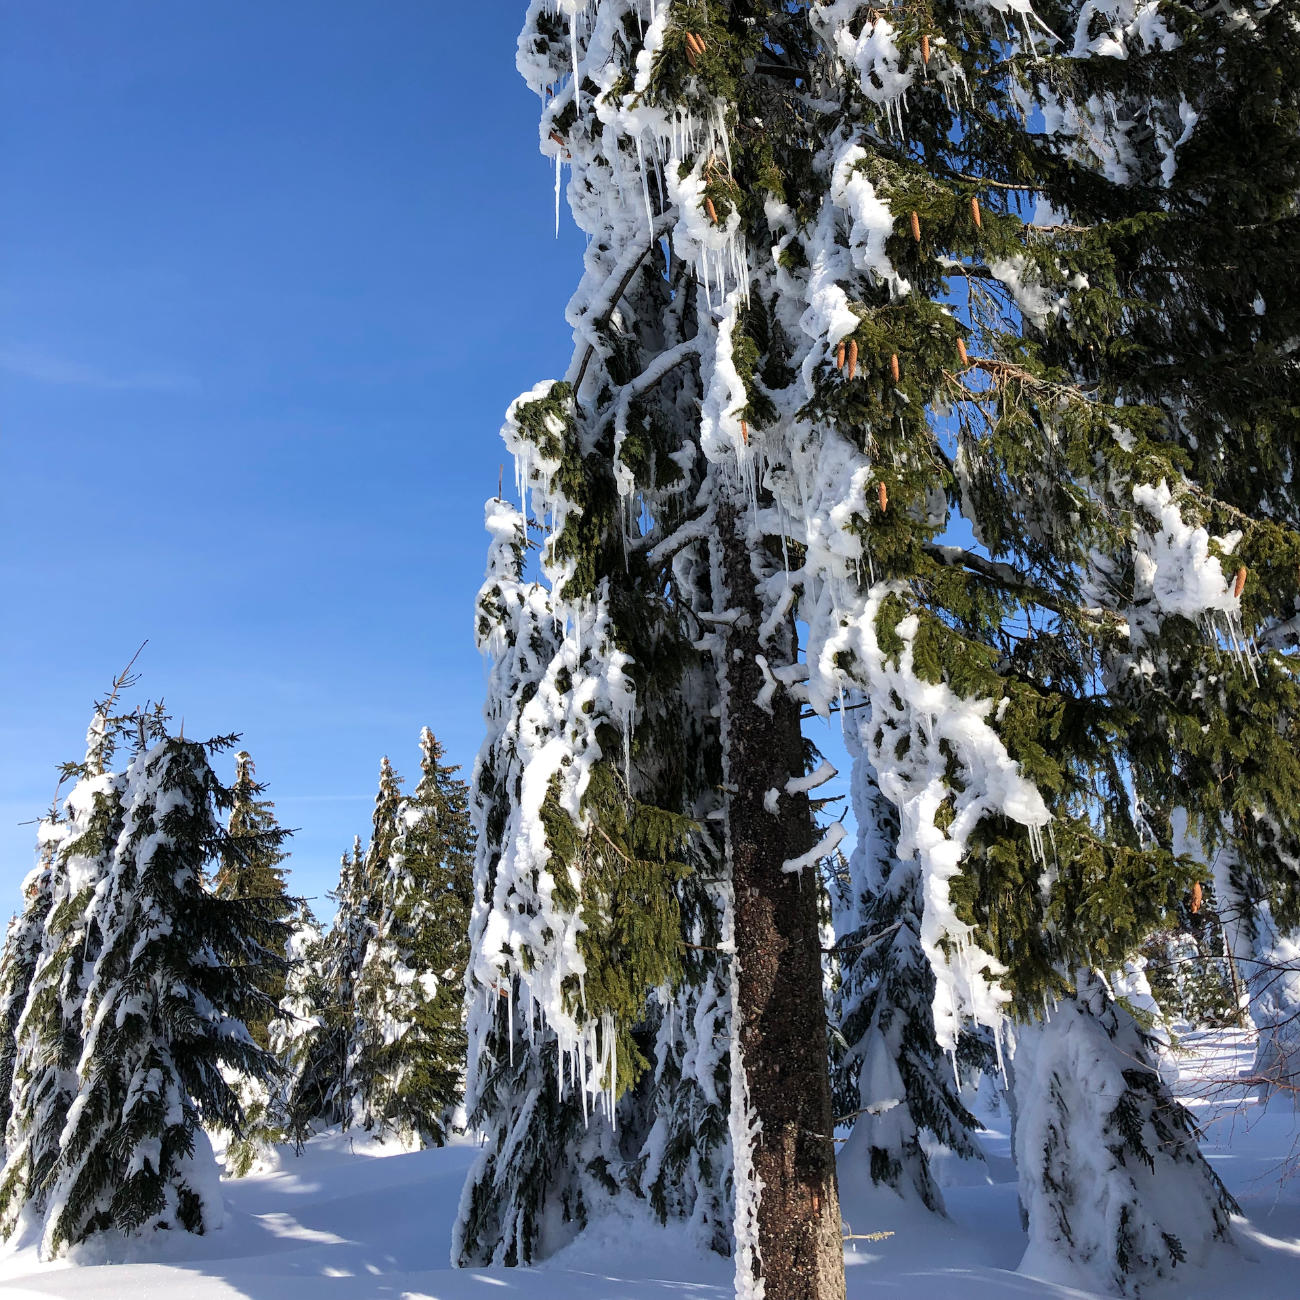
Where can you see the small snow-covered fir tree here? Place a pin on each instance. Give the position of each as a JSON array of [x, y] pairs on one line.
[[24, 940], [365, 913], [162, 1021], [1275, 1011], [318, 1024], [1099, 1138], [892, 1081], [251, 867], [49, 1034], [410, 989], [297, 1032], [1191, 972]]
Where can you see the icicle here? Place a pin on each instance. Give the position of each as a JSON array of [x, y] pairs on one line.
[[580, 1082], [573, 47], [1036, 846], [613, 1074], [645, 191]]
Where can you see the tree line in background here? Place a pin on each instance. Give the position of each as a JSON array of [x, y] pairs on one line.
[[161, 984]]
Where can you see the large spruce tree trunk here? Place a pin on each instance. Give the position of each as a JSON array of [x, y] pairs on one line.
[[779, 1010]]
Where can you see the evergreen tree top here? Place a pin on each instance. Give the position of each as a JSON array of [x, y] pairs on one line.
[[385, 825], [250, 864]]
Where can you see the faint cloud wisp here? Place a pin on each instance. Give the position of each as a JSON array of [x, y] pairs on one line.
[[46, 368]]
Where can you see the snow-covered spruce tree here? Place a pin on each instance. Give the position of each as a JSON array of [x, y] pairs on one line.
[[1090, 1068], [855, 355], [251, 866], [410, 991], [296, 1017], [48, 1036], [21, 954], [579, 899], [318, 1014], [1192, 974], [163, 1015], [365, 910], [306, 1036], [891, 1081]]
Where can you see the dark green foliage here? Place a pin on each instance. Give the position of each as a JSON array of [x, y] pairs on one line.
[[250, 868], [163, 1011], [632, 925], [20, 957], [49, 1033], [410, 990]]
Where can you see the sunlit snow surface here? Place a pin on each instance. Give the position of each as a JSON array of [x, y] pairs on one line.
[[355, 1221]]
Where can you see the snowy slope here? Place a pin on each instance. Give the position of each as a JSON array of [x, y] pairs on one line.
[[354, 1221]]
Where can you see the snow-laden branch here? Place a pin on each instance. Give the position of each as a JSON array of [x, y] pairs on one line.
[[602, 305], [802, 784], [694, 529], [822, 849], [1010, 579], [646, 380]]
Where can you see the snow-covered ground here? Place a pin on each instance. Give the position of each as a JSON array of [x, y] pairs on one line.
[[351, 1221]]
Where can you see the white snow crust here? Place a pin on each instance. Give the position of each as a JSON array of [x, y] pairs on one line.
[[354, 1220]]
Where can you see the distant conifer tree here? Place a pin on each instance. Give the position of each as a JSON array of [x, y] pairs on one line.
[[24, 941], [316, 1029], [250, 867], [298, 1034], [49, 1032], [163, 1015], [893, 1083], [366, 909], [410, 992]]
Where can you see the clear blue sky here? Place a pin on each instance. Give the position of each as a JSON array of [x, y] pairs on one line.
[[269, 275]]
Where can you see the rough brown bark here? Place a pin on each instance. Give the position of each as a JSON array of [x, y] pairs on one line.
[[780, 1010]]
